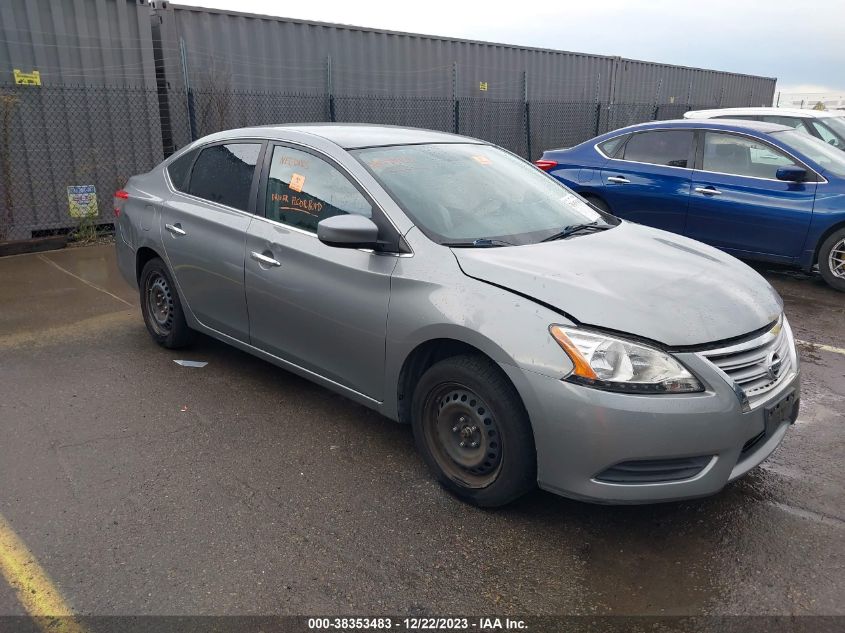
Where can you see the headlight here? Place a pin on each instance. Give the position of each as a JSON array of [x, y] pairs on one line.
[[615, 364]]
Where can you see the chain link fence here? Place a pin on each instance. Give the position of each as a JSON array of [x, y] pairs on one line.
[[53, 138]]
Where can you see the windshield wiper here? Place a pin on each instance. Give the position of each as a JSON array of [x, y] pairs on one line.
[[577, 228], [480, 243]]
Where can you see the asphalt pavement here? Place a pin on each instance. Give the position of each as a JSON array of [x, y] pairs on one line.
[[144, 487]]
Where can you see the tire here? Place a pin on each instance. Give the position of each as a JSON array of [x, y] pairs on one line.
[[468, 399], [161, 307], [832, 260]]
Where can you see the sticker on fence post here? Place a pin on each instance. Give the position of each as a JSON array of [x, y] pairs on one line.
[[27, 79], [82, 201]]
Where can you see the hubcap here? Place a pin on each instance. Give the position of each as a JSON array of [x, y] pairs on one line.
[[160, 304], [836, 259], [464, 435]]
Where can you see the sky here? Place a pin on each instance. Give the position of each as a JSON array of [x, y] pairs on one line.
[[800, 43]]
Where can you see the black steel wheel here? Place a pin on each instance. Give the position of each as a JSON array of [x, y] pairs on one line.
[[161, 308], [463, 434], [473, 432]]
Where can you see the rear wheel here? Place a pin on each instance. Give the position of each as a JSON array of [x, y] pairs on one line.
[[473, 432], [832, 260], [161, 307]]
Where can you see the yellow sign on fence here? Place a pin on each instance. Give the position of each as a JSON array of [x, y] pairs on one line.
[[82, 201], [27, 79], [482, 85]]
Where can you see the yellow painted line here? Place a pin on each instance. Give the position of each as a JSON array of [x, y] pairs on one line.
[[824, 348], [36, 592]]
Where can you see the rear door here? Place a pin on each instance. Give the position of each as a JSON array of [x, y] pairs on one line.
[[738, 204], [203, 228], [649, 179], [319, 307]]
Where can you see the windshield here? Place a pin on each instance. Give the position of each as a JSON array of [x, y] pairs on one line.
[[459, 193], [824, 155]]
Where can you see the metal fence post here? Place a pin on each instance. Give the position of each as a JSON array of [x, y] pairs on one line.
[[330, 88], [456, 115], [189, 93], [657, 100], [598, 118], [527, 114]]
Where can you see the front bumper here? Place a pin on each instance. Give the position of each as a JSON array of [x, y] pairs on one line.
[[581, 432]]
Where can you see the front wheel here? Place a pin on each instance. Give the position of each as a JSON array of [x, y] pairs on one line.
[[473, 432], [832, 260], [161, 308]]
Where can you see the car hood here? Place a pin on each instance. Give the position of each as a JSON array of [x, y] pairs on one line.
[[635, 279]]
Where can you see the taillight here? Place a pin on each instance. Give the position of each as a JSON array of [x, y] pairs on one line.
[[546, 165], [119, 195]]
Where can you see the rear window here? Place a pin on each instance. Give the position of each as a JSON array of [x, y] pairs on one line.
[[223, 174], [660, 147], [178, 170]]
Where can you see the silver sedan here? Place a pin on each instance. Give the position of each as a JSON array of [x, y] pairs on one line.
[[527, 337]]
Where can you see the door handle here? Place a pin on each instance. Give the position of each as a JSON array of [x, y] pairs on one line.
[[263, 259], [175, 229], [708, 191], [619, 179]]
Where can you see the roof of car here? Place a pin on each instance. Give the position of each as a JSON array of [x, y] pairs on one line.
[[793, 112], [722, 124], [356, 135]]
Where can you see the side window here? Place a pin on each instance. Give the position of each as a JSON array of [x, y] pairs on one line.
[[665, 147], [303, 189], [178, 170], [223, 174], [741, 156], [611, 146], [826, 134]]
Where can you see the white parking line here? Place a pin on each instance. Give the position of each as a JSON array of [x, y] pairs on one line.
[[85, 281], [824, 348]]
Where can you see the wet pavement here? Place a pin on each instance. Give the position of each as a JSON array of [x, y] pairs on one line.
[[143, 487]]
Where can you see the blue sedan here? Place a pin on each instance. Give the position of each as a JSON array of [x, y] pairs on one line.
[[756, 190]]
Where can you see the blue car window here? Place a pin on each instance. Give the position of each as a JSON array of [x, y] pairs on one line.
[[742, 156], [660, 147], [611, 147]]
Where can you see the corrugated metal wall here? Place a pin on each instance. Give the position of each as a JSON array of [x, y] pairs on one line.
[[78, 42], [93, 120], [115, 74], [240, 51]]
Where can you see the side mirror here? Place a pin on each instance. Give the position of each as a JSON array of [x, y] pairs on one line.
[[791, 174], [348, 231]]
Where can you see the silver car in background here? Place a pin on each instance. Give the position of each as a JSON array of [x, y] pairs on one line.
[[527, 337]]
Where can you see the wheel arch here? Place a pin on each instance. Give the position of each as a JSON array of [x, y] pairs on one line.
[[421, 358], [142, 256], [823, 238]]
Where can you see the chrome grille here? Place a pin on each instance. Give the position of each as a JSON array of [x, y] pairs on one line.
[[758, 365]]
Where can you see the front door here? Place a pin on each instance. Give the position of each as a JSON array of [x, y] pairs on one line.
[[203, 227], [319, 307], [649, 182], [738, 204]]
